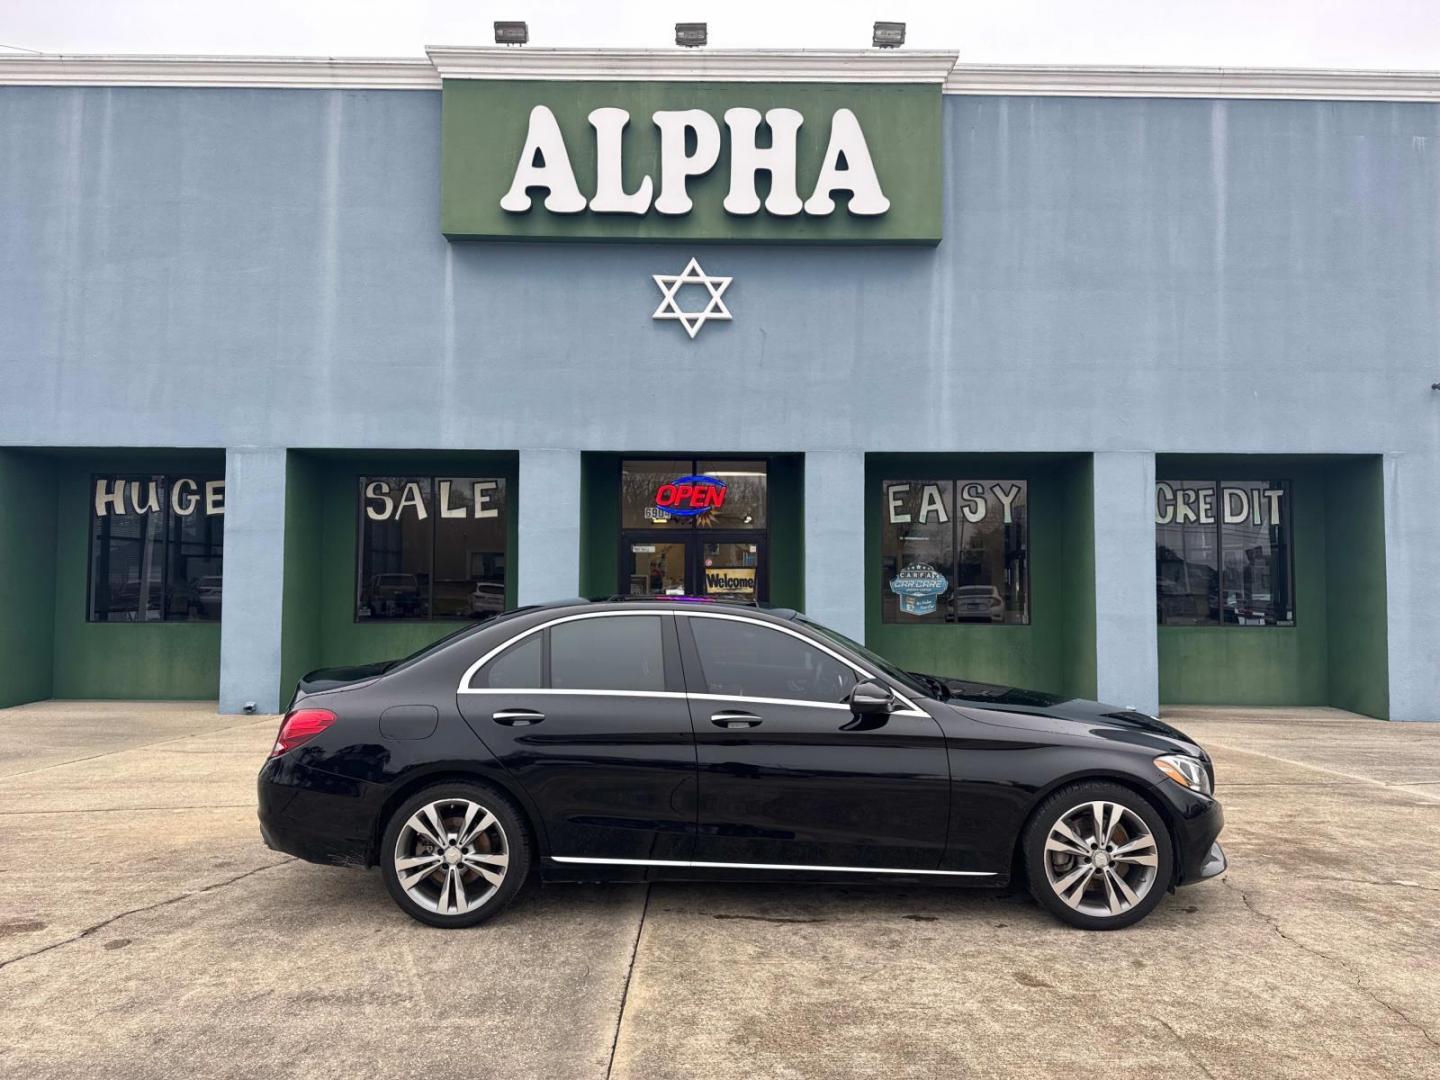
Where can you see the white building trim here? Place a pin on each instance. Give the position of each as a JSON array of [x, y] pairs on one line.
[[693, 65], [282, 72], [1328, 84], [718, 65]]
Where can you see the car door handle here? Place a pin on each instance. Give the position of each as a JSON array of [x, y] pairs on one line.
[[517, 717], [729, 718]]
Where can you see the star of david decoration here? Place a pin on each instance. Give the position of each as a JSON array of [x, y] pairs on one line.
[[692, 321]]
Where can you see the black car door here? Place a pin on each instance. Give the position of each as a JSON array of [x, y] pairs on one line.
[[588, 714], [789, 776]]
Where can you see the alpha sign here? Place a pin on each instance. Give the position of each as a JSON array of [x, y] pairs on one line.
[[690, 147], [744, 162]]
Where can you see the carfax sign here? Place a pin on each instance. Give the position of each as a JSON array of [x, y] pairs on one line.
[[741, 162]]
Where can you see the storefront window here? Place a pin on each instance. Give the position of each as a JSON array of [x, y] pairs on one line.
[[431, 547], [685, 493], [1222, 553], [156, 548], [955, 551]]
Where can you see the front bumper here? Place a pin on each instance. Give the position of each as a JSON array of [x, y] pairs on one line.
[[316, 816], [1197, 821], [1215, 863]]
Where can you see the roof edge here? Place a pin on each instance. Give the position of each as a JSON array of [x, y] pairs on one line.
[[700, 65], [718, 65], [1305, 84]]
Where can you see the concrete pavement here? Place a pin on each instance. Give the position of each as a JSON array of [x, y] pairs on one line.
[[146, 932]]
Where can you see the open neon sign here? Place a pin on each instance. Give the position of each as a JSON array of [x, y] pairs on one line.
[[689, 496]]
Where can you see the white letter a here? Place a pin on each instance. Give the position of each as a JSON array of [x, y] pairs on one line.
[[858, 177], [555, 175]]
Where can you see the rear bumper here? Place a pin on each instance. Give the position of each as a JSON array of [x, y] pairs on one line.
[[316, 816]]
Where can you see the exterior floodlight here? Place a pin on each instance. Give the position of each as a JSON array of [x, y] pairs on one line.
[[511, 33], [690, 35], [889, 35]]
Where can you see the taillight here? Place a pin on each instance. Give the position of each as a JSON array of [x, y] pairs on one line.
[[301, 726]]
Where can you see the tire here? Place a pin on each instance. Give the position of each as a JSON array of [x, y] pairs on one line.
[[490, 868], [1104, 886]]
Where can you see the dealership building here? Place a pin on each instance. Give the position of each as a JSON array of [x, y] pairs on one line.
[[1107, 382]]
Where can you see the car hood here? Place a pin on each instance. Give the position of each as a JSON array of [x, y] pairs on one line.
[[1011, 706]]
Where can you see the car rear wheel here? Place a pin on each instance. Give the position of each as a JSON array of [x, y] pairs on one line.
[[454, 855], [1098, 856]]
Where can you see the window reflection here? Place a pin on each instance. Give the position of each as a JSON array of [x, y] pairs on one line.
[[955, 551], [156, 548], [431, 547], [1222, 553], [743, 505]]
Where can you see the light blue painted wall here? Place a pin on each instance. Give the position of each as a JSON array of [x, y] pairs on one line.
[[254, 582], [264, 268], [1127, 666], [548, 562]]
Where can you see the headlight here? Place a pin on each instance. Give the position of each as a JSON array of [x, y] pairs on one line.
[[1186, 771]]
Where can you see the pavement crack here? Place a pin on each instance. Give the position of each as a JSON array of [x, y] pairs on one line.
[[625, 991], [1338, 961], [769, 918], [140, 910], [1184, 1046]]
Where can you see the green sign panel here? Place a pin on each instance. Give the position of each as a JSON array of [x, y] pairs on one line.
[[809, 163]]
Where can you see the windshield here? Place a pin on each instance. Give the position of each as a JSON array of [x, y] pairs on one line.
[[904, 678]]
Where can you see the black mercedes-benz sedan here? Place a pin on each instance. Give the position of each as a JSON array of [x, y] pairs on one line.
[[678, 739]]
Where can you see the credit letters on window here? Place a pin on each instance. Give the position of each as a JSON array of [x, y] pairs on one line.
[[955, 551], [156, 548], [1222, 553], [431, 547]]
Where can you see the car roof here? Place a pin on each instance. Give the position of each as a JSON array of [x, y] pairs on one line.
[[674, 603]]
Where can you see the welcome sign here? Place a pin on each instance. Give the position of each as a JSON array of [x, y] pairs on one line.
[[674, 161]]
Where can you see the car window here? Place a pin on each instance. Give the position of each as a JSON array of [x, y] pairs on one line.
[[517, 668], [744, 659], [612, 653]]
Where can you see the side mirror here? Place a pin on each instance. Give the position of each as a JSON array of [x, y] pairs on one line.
[[870, 698]]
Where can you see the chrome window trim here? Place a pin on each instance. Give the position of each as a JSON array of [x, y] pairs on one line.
[[695, 865], [911, 709], [465, 688]]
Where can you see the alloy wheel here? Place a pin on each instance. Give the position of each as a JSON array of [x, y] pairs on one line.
[[451, 856], [1101, 858]]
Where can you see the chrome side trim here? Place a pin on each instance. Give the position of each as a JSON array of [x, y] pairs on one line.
[[550, 691], [802, 702], [764, 866]]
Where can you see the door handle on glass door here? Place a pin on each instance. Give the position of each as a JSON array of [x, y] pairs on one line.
[[517, 717], [729, 718]]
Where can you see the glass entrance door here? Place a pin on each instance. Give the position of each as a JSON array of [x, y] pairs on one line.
[[657, 568], [694, 527], [695, 566], [730, 570]]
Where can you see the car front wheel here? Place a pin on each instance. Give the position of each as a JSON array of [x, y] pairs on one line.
[[1098, 856], [454, 855]]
